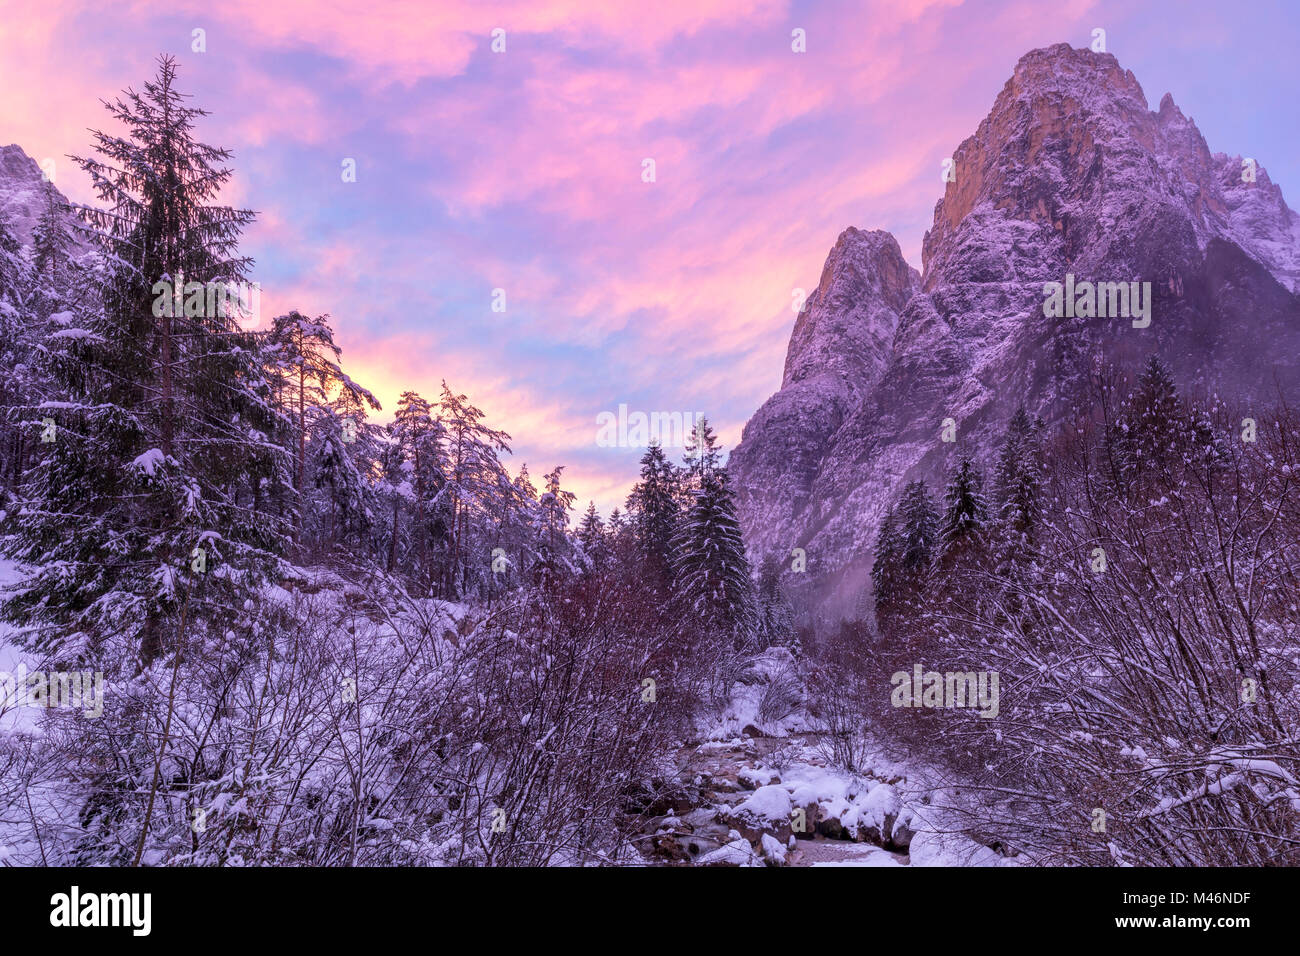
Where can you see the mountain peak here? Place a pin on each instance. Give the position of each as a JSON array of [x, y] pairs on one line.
[[848, 322], [1062, 66], [1070, 173], [15, 164], [22, 191], [1070, 148]]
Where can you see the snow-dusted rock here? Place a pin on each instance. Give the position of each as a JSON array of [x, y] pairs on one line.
[[765, 811], [736, 852]]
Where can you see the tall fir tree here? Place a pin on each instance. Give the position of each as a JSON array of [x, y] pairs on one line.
[[701, 453], [710, 571], [965, 512], [518, 524], [1156, 422], [53, 242], [775, 616], [654, 513], [886, 566], [17, 351], [13, 267], [303, 365], [554, 562], [421, 437], [1018, 492], [148, 503], [474, 476], [340, 505], [622, 543], [592, 540], [918, 533]]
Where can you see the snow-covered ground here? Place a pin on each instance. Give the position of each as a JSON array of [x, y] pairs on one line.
[[13, 718], [762, 788], [44, 800], [766, 793]]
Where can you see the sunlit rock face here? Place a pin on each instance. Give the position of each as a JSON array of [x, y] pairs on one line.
[[22, 198], [1071, 173]]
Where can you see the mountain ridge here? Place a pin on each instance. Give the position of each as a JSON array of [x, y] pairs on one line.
[[1070, 172]]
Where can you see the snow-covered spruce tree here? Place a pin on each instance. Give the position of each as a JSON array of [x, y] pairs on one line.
[[14, 279], [622, 543], [700, 454], [17, 323], [1160, 433], [918, 533], [419, 435], [516, 518], [40, 290], [346, 461], [965, 513], [593, 541], [653, 515], [916, 544], [1018, 493], [53, 242], [554, 552], [775, 616], [341, 501], [474, 476], [886, 570], [150, 499], [64, 269], [710, 571], [1157, 419], [390, 533], [1106, 391], [303, 364]]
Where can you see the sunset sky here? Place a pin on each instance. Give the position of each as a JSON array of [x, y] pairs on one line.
[[522, 170]]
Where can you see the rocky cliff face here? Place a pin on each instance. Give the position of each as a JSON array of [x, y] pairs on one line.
[[22, 196], [23, 200], [1071, 172]]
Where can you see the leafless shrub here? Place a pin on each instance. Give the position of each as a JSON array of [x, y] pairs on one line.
[[837, 677], [782, 696], [389, 731], [1148, 712]]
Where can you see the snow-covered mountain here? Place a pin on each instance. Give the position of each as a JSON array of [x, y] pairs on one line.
[[1070, 173], [22, 194], [23, 200]]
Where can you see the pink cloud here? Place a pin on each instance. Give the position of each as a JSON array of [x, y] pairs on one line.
[[530, 165]]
